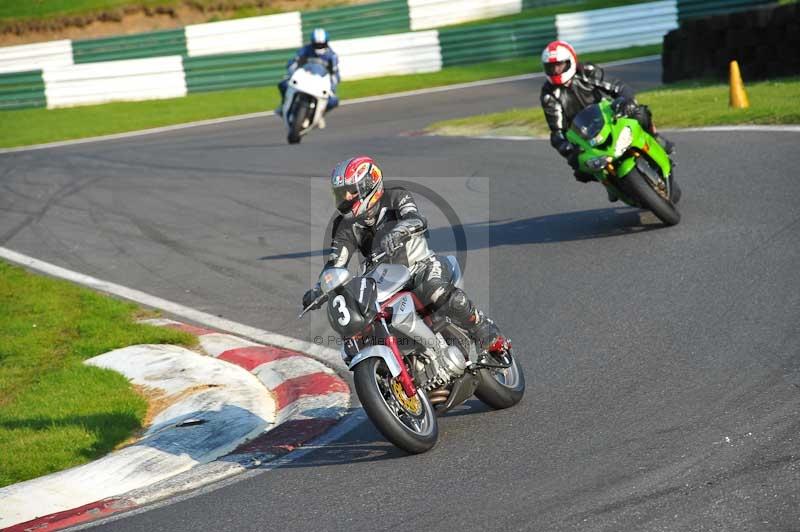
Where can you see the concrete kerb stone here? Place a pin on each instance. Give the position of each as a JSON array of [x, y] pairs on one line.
[[306, 398]]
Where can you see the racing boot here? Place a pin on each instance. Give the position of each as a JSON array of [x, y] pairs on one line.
[[481, 329], [612, 196], [487, 335]]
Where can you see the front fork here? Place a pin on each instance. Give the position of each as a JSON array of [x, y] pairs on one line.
[[405, 377]]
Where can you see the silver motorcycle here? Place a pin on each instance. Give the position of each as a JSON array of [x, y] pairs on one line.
[[410, 364]]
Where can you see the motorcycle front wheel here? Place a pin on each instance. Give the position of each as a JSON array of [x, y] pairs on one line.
[[407, 422], [501, 388], [298, 117], [650, 199]]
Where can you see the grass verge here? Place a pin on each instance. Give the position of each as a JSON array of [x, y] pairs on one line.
[[772, 102], [11, 10], [34, 126], [56, 412]]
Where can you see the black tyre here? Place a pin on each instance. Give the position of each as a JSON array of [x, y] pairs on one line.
[[410, 424], [501, 388], [640, 188], [297, 117], [675, 190]]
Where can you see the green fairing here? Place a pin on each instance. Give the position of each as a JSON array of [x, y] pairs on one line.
[[599, 146]]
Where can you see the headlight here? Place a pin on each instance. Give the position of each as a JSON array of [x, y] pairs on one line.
[[624, 141], [598, 163]]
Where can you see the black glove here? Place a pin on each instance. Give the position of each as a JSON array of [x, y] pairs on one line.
[[393, 240], [566, 149], [572, 159], [624, 107], [311, 296], [583, 177]]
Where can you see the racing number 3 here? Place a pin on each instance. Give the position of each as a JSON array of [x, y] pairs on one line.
[[339, 303]]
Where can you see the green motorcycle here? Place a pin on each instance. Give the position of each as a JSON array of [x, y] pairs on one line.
[[626, 159]]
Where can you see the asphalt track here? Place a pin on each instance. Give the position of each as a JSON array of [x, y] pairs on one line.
[[663, 364]]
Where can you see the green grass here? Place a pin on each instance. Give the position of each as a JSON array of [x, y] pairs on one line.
[[685, 105], [56, 412], [33, 126]]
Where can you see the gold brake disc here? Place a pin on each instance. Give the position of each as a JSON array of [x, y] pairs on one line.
[[411, 404]]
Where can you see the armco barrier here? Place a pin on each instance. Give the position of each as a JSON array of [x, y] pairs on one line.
[[19, 90], [228, 71], [474, 44], [273, 32], [287, 30], [350, 22], [135, 79], [427, 14], [618, 27], [765, 42], [201, 60], [32, 56], [154, 44], [405, 53]]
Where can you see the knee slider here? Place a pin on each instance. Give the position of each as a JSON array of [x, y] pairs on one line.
[[459, 304]]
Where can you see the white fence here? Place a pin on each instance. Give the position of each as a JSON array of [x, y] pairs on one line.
[[35, 56], [618, 27], [403, 53], [130, 80], [253, 34], [425, 14]]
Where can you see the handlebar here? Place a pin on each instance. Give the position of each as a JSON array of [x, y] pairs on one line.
[[313, 304], [371, 259]]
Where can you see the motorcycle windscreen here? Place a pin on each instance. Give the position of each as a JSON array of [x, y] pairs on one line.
[[589, 122], [315, 67]]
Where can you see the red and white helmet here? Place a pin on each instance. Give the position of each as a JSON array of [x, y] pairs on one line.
[[357, 187], [560, 62]]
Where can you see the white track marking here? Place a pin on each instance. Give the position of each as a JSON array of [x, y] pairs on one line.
[[217, 343], [324, 354], [262, 114], [337, 432], [292, 367]]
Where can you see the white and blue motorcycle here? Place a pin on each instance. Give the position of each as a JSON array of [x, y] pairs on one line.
[[307, 94]]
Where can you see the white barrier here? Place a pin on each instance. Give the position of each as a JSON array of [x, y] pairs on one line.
[[35, 56], [426, 14], [272, 32], [130, 80], [618, 27], [404, 53]]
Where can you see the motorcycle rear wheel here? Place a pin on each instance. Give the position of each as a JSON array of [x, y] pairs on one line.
[[382, 399], [501, 388], [640, 188]]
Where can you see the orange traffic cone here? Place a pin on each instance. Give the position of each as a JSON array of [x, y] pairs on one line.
[[739, 98]]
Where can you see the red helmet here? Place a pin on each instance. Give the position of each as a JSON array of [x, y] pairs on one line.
[[560, 62], [357, 186]]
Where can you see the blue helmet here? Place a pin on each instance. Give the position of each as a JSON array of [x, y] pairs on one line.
[[319, 40]]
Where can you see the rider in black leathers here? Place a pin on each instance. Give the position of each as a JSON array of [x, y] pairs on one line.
[[373, 217], [570, 87]]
